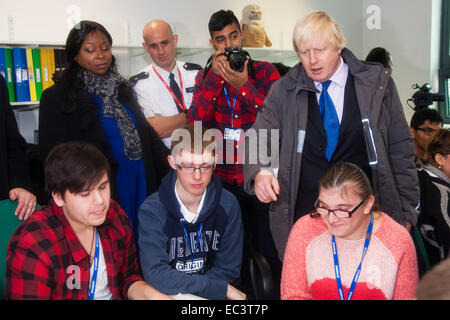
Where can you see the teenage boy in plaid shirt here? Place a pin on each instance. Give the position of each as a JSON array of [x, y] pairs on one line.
[[81, 245], [229, 100]]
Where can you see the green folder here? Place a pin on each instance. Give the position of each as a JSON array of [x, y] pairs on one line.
[[9, 74], [37, 72]]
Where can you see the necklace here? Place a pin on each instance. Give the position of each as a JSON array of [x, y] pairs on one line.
[[92, 245]]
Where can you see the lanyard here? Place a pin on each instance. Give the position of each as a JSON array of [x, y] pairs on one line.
[[229, 104], [192, 249], [337, 272], [180, 104], [93, 283]]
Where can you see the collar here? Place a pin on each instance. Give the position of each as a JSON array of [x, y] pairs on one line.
[[189, 216], [368, 74], [436, 173], [164, 73], [339, 76]]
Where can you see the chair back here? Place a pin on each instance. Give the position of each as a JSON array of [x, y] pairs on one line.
[[8, 224]]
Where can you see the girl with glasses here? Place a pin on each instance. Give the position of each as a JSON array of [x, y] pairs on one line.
[[346, 249]]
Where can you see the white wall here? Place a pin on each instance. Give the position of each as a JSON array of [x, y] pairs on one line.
[[409, 28]]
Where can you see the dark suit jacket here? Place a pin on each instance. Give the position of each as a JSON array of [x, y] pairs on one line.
[[83, 124], [13, 161]]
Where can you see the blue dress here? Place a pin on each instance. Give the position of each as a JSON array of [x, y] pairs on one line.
[[130, 176]]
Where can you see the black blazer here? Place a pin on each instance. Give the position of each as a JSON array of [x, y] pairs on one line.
[[13, 161], [83, 124]]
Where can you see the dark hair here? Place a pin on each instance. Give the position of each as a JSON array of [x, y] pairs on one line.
[[68, 77], [422, 115], [281, 68], [74, 166], [380, 55], [347, 175], [220, 20], [439, 143]]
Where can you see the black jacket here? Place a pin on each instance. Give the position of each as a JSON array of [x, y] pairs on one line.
[[83, 124], [434, 218], [13, 161]]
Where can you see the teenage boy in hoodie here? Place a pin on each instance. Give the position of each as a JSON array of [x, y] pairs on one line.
[[190, 229]]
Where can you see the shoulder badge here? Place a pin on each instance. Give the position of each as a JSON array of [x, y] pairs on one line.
[[141, 75], [192, 66]]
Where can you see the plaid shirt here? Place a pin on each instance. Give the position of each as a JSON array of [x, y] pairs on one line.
[[47, 261], [210, 106]]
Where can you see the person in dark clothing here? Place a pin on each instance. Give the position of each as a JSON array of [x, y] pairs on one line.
[[190, 231], [15, 183], [434, 181], [91, 102]]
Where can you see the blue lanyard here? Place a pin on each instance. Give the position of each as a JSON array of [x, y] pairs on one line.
[[192, 249], [337, 272], [229, 104], [93, 283]]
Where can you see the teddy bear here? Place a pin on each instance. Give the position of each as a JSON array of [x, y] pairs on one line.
[[253, 31]]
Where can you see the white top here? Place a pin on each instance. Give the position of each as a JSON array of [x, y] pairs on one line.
[[189, 216], [336, 89], [101, 289], [154, 97]]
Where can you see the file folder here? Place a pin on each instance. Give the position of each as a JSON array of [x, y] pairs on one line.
[[31, 77], [9, 74], [37, 72]]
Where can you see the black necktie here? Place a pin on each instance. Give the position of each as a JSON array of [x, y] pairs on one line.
[[176, 90]]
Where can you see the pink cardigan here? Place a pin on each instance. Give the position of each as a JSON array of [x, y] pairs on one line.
[[389, 270]]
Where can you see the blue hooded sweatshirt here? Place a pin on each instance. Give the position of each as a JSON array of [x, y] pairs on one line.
[[166, 259]]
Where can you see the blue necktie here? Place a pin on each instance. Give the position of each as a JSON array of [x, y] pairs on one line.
[[330, 120]]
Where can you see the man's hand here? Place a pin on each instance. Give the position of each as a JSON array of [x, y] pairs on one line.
[[266, 186], [221, 67], [26, 202], [235, 79], [140, 290], [235, 294]]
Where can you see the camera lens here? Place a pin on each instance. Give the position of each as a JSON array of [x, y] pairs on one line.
[[237, 62]]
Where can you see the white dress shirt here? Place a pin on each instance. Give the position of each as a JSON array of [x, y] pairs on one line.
[[189, 216], [336, 89]]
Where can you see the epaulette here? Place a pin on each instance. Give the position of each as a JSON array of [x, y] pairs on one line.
[[192, 66], [141, 75]]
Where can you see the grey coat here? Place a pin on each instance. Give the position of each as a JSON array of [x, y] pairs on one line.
[[389, 143]]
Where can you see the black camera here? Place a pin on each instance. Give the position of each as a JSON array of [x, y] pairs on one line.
[[423, 97], [236, 58]]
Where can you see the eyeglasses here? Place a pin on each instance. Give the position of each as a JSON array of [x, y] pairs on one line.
[[428, 131], [339, 213], [190, 170]]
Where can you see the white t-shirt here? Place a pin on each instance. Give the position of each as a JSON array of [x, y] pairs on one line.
[[189, 216]]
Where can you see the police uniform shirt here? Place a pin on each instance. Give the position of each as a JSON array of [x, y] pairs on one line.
[[153, 96]]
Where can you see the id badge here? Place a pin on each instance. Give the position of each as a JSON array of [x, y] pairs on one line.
[[232, 134]]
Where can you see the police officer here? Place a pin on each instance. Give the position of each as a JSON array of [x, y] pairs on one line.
[[164, 88]]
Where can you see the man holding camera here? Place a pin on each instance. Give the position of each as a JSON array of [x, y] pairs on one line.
[[229, 100]]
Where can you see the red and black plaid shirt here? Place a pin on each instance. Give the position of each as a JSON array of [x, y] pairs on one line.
[[47, 261], [210, 106]]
